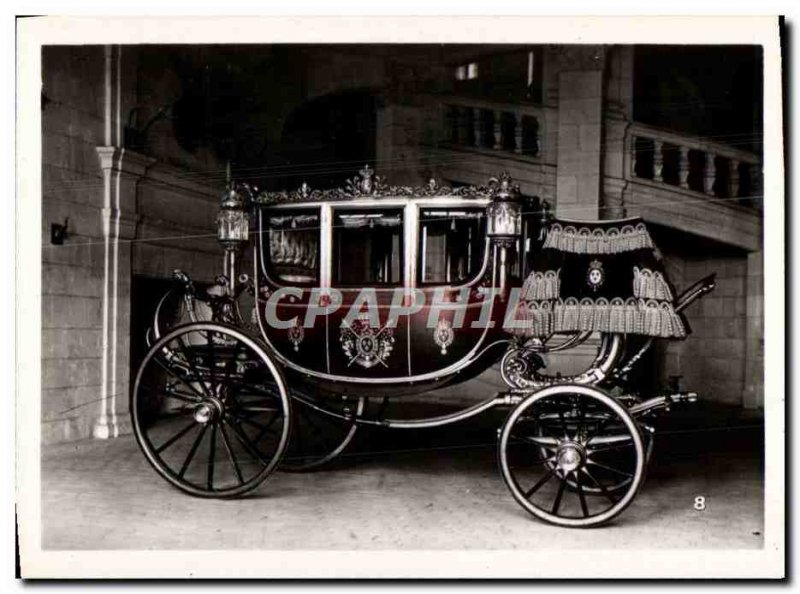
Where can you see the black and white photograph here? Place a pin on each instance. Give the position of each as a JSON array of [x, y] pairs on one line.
[[400, 297]]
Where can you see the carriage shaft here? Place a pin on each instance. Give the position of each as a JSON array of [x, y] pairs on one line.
[[664, 402]]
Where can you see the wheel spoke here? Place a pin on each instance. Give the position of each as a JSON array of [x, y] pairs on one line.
[[233, 360], [169, 370], [231, 457], [581, 496], [610, 448], [560, 493], [605, 440], [610, 469], [550, 443], [247, 420], [212, 360], [175, 437], [540, 483], [600, 486], [258, 409], [192, 451], [174, 413], [191, 364], [182, 397], [243, 439], [176, 395], [263, 429], [212, 451], [533, 462]]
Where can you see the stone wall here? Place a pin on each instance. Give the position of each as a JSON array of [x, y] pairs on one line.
[[128, 215], [72, 274], [713, 358]]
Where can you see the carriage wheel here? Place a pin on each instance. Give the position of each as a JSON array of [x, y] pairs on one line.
[[572, 455], [210, 410], [318, 438]]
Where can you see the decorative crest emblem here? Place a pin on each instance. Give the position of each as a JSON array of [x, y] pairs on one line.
[[366, 183], [503, 188], [443, 335], [595, 275], [296, 334], [365, 345]]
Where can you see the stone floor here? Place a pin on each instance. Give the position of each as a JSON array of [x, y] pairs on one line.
[[435, 489]]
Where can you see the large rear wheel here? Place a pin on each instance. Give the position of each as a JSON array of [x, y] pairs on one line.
[[210, 410]]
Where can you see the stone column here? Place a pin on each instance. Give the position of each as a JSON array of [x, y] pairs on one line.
[[122, 171], [618, 109], [580, 132], [753, 396]]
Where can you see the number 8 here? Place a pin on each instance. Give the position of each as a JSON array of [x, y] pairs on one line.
[[700, 503]]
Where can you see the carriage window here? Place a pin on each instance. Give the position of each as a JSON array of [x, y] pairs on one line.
[[368, 247], [294, 246], [451, 244]]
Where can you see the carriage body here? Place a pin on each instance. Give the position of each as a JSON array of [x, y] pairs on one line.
[[379, 291], [385, 294]]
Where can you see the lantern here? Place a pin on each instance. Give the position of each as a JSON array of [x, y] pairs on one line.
[[504, 213], [233, 220]]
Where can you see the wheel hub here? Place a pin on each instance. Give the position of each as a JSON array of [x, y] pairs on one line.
[[208, 411], [570, 456]]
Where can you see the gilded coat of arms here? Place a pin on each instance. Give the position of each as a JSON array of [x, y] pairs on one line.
[[364, 345]]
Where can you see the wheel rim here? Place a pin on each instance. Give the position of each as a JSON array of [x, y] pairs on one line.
[[210, 410], [554, 455], [319, 438]]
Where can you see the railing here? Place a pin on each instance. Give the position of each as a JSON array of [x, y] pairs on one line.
[[487, 125], [712, 169]]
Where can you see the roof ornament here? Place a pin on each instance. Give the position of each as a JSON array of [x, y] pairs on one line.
[[304, 192], [366, 183], [503, 188]]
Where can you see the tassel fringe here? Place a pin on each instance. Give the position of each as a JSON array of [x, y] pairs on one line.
[[542, 285], [633, 316], [648, 284], [584, 240]]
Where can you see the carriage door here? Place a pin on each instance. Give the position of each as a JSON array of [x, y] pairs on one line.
[[367, 264], [290, 243], [451, 247]]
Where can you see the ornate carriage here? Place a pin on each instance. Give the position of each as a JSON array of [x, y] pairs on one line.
[[373, 292]]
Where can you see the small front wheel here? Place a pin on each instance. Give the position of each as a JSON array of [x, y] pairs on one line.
[[210, 410], [572, 455]]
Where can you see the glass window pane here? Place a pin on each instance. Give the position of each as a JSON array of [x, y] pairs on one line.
[[294, 246], [451, 245], [368, 248]]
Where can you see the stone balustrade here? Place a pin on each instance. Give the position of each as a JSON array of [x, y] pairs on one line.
[[713, 169], [511, 129]]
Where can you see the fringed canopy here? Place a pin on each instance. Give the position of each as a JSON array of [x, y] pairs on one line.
[[604, 276]]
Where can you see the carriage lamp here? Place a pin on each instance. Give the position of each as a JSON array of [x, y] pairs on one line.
[[504, 223], [233, 227], [504, 213], [233, 220]]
